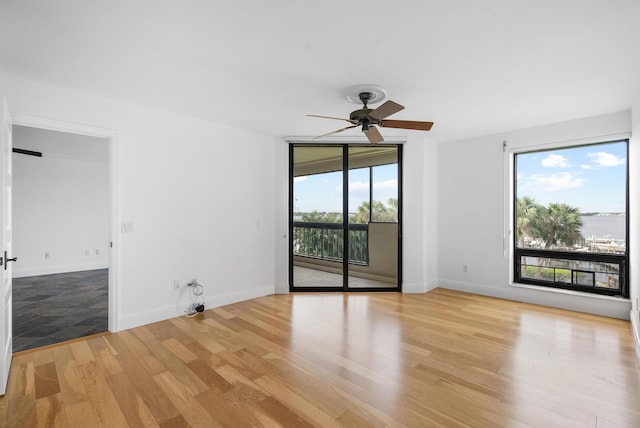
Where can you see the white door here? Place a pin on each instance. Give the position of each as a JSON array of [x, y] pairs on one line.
[[6, 250]]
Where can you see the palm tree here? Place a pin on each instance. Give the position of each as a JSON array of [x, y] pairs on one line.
[[557, 225], [526, 211], [381, 212], [362, 216]]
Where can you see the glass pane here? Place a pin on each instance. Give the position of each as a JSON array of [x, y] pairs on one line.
[[385, 193], [573, 199], [317, 217], [571, 272], [373, 246]]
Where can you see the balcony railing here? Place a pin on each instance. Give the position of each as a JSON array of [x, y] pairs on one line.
[[325, 241], [583, 271]]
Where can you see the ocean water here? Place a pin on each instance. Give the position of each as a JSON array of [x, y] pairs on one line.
[[604, 226]]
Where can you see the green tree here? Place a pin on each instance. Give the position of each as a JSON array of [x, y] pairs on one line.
[[390, 212], [381, 212], [557, 225], [362, 216], [321, 217], [526, 210]]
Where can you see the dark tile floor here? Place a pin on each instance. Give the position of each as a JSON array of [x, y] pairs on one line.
[[49, 309]]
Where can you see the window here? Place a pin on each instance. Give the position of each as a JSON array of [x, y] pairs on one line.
[[382, 195], [571, 218]]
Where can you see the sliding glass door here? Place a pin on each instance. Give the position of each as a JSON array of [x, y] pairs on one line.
[[318, 238], [345, 240]]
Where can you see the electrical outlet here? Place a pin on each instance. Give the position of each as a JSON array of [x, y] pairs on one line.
[[97, 251], [87, 252], [465, 268], [176, 284], [126, 227], [47, 254]]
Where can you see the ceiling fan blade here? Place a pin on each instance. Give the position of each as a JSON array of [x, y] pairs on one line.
[[385, 110], [335, 132], [407, 124], [329, 117], [373, 135]]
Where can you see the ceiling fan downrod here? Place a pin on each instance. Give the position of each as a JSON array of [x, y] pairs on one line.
[[365, 97]]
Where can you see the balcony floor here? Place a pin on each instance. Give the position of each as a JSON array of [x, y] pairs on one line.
[[305, 277]]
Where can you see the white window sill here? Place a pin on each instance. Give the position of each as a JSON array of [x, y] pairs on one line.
[[570, 292]]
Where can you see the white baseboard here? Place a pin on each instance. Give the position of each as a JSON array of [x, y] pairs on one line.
[[50, 270], [282, 289], [635, 329], [418, 287], [579, 302], [172, 311], [413, 287]]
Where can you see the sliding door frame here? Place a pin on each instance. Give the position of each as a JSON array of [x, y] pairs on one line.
[[345, 221]]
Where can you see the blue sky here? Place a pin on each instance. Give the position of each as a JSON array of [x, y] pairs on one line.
[[323, 192], [591, 178]]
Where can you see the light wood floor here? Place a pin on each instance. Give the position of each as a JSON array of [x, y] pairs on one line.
[[444, 358]]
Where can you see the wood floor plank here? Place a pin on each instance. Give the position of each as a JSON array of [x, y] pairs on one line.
[[159, 404], [46, 380], [222, 409], [151, 364], [171, 362], [179, 350], [305, 409], [71, 385], [21, 378], [104, 404], [51, 411], [81, 414], [81, 352], [105, 356], [130, 402], [21, 412], [441, 359], [209, 376], [190, 409]]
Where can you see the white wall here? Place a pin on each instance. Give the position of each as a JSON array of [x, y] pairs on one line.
[[430, 215], [60, 206], [199, 194], [281, 218], [634, 232], [472, 207], [413, 215]]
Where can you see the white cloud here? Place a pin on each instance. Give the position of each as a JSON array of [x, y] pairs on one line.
[[299, 179], [358, 186], [389, 184], [604, 159], [554, 182], [585, 166], [555, 161], [363, 186]]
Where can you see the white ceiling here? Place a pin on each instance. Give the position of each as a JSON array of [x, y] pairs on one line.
[[472, 67]]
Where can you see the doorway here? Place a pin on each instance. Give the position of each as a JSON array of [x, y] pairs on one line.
[[345, 240], [61, 203]]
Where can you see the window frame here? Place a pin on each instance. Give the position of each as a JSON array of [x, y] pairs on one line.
[[517, 253]]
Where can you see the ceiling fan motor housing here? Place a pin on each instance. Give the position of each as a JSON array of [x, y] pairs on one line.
[[360, 115]]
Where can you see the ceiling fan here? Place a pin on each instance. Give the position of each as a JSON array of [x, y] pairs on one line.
[[369, 119]]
